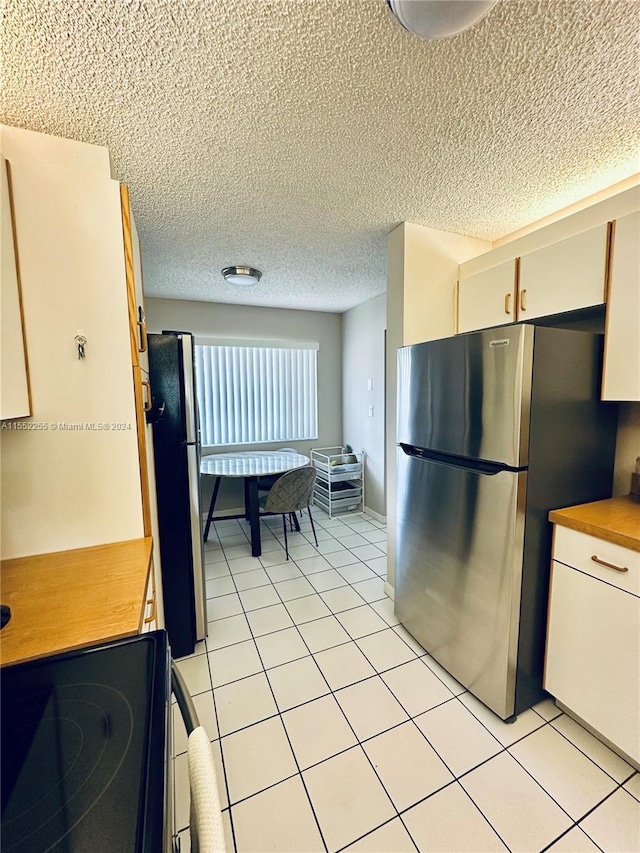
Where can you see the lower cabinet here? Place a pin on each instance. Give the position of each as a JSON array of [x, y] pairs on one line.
[[592, 663]]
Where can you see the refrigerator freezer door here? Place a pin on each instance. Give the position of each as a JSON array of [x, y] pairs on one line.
[[469, 395], [459, 552]]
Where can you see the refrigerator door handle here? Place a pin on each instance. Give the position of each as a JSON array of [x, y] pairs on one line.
[[476, 465], [200, 603], [190, 402]]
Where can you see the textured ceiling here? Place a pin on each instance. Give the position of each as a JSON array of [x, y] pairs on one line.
[[292, 135]]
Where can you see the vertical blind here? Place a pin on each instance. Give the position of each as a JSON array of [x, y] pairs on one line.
[[252, 394]]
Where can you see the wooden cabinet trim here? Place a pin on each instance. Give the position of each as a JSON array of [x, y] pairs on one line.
[[139, 379], [608, 264], [127, 242]]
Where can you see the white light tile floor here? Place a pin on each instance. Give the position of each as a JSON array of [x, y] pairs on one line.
[[333, 730]]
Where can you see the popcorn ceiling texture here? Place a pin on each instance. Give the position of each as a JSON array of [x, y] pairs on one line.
[[292, 135]]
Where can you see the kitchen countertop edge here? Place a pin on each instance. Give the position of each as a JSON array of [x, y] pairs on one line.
[[69, 600], [615, 520]]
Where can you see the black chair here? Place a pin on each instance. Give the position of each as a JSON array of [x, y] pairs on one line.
[[291, 492], [266, 482]]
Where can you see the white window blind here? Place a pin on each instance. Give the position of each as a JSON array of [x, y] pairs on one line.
[[252, 394]]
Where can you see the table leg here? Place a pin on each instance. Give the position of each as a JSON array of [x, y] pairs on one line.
[[214, 496], [247, 499], [251, 484]]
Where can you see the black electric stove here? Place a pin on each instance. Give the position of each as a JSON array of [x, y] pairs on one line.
[[85, 740]]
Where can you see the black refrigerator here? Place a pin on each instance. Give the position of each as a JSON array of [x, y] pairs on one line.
[[495, 428], [176, 441]]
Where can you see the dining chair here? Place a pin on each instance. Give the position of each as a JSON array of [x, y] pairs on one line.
[[291, 492], [266, 482]]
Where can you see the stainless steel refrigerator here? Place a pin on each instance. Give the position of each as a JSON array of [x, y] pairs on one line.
[[495, 428], [176, 441]]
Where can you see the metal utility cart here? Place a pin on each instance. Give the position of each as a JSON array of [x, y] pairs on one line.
[[340, 480]]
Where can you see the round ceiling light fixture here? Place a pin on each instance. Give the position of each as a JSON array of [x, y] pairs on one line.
[[438, 19], [241, 275]]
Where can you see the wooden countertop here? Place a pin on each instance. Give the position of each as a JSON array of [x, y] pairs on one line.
[[615, 520], [70, 599]]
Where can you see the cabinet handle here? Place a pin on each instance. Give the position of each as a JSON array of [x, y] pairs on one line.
[[522, 305], [507, 303], [152, 615], [609, 565], [142, 325], [147, 404]]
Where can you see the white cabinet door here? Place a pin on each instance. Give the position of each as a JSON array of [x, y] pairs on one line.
[[14, 387], [621, 377], [593, 654], [564, 276], [78, 476], [487, 298]]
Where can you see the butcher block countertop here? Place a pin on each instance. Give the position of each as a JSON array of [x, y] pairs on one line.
[[615, 520], [70, 599]]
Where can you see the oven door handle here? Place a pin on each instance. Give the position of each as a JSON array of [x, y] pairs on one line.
[[183, 698]]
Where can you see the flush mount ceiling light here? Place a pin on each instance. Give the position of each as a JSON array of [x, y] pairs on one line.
[[243, 276], [438, 19]]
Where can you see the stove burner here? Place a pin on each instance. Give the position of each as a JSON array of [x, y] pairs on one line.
[[76, 737], [85, 750]]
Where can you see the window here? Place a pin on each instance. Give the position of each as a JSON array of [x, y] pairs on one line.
[[251, 394]]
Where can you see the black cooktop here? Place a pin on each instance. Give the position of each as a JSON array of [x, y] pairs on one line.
[[84, 740]]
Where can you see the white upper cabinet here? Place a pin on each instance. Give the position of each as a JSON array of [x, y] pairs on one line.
[[488, 298], [564, 276], [621, 377], [14, 388]]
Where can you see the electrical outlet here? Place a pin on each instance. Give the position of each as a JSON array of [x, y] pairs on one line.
[[369, 384], [370, 411]]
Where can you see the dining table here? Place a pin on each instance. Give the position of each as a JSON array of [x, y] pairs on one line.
[[248, 465]]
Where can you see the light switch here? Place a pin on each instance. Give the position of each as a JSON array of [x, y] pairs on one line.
[[370, 411]]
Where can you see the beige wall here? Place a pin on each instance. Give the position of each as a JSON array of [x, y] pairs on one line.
[[251, 322], [363, 363], [70, 488], [422, 271]]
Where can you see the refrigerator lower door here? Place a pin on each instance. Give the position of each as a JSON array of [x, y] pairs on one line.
[[200, 602], [459, 554]]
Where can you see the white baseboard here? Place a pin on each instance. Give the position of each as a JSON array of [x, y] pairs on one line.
[[234, 510], [389, 590], [381, 518]]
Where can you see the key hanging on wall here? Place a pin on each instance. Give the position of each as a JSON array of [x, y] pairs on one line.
[[81, 342]]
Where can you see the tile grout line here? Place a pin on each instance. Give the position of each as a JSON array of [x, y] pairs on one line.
[[379, 674], [358, 743], [586, 755]]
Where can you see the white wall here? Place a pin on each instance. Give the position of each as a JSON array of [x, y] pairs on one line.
[[363, 362], [251, 322]]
